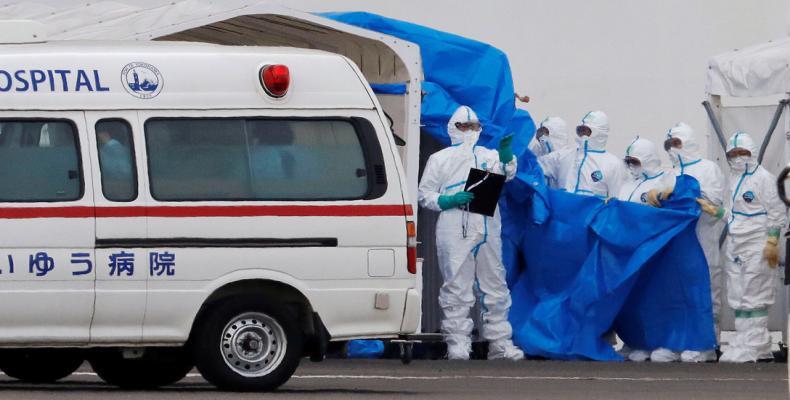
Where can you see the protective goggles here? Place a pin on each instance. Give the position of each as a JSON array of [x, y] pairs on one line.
[[542, 131], [583, 130], [672, 142], [465, 126], [739, 152], [632, 162]]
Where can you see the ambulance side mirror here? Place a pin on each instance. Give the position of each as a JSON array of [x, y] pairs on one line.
[[781, 185]]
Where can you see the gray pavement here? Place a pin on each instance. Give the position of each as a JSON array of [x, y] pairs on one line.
[[384, 379]]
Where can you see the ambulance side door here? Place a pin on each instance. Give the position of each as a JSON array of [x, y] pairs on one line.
[[46, 228], [120, 198]]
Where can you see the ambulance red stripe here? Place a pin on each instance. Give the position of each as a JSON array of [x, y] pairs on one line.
[[208, 211]]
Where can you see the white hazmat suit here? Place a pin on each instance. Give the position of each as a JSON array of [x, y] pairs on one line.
[[755, 215], [647, 177], [555, 141], [588, 169], [687, 160], [469, 245]]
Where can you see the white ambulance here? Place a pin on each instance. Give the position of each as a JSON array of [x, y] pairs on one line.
[[165, 205]]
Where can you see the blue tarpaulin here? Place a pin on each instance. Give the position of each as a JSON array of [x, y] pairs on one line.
[[577, 267], [457, 71]]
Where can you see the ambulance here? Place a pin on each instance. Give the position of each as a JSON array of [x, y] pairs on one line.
[[170, 205]]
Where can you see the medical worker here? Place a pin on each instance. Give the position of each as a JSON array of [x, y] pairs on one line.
[[683, 150], [551, 136], [754, 216], [588, 169], [644, 167], [468, 245]]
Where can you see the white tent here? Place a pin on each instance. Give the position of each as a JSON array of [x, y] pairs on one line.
[[748, 90]]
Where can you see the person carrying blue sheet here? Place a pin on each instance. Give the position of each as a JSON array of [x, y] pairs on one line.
[[683, 150], [589, 170], [469, 246]]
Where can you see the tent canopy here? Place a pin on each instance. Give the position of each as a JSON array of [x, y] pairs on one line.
[[758, 70]]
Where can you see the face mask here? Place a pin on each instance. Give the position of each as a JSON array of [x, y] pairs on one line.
[[546, 145], [674, 156], [470, 137], [738, 163], [636, 172]]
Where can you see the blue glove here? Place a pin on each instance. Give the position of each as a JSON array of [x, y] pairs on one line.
[[447, 201], [505, 149]]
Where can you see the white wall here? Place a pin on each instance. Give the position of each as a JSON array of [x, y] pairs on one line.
[[642, 62]]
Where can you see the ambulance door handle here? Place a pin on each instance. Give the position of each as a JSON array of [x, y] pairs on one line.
[[73, 174]]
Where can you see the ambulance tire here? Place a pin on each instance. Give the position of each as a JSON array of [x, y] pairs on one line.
[[40, 365], [154, 370], [247, 344]]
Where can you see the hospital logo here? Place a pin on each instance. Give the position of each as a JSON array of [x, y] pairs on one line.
[[748, 196], [142, 80], [643, 197], [596, 176]]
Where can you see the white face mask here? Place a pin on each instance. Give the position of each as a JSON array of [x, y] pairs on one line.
[[636, 172], [546, 145], [470, 137], [738, 163]]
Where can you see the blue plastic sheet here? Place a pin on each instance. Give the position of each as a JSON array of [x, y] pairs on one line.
[[457, 71], [592, 267], [576, 267], [365, 349]]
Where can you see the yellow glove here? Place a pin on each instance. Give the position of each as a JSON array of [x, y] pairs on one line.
[[771, 251], [711, 209], [655, 196]]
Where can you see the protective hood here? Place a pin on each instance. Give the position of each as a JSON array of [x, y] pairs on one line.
[[462, 114], [598, 123], [558, 133], [742, 140], [647, 154], [690, 150]]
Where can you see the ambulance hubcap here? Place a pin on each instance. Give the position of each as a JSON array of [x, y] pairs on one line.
[[253, 344]]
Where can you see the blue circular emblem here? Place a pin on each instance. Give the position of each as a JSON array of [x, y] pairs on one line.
[[142, 80], [596, 176], [643, 197], [748, 196]]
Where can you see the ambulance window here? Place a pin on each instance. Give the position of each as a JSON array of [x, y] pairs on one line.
[[263, 159], [39, 161], [116, 160]]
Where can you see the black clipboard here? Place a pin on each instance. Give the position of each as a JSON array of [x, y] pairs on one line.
[[487, 187]]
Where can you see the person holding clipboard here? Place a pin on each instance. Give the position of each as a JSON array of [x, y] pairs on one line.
[[463, 182]]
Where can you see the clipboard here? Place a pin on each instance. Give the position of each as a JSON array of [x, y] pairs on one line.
[[487, 188]]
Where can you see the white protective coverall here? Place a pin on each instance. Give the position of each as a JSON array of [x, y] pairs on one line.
[[557, 138], [588, 169], [687, 160], [649, 176], [753, 211], [469, 246], [556, 141]]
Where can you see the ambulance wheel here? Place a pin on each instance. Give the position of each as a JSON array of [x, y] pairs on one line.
[[247, 344], [156, 368], [40, 365]]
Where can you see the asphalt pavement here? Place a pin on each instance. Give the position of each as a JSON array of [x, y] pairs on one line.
[[385, 379]]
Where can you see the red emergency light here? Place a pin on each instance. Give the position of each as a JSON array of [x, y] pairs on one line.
[[275, 80]]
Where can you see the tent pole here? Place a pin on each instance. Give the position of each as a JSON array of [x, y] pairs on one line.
[[771, 128], [715, 122]]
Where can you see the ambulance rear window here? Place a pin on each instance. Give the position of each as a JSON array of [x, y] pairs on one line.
[[200, 159], [39, 161]]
